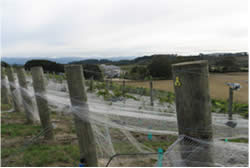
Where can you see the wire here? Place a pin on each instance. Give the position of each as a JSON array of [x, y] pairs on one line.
[[127, 154]]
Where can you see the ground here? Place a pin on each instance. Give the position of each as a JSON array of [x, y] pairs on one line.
[[16, 136], [18, 148]]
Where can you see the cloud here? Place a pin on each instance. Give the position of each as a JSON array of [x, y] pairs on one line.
[[122, 28]]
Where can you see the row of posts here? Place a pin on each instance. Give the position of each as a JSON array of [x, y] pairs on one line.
[[78, 98], [192, 104]]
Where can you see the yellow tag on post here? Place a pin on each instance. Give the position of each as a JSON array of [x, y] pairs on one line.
[[177, 82]]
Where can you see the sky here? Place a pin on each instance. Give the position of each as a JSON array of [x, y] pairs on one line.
[[114, 28]]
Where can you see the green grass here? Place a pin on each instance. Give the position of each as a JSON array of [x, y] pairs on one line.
[[221, 106], [44, 155], [16, 135], [5, 107], [13, 116], [238, 140], [164, 144], [11, 130], [155, 143]]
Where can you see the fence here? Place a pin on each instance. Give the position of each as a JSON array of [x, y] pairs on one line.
[[104, 123]]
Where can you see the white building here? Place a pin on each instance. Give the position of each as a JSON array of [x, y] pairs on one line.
[[111, 71]]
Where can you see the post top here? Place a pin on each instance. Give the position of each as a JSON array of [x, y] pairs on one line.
[[201, 62], [72, 65], [36, 67], [19, 68]]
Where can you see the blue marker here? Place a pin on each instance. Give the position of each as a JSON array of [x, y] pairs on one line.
[[150, 136], [82, 162], [160, 157]]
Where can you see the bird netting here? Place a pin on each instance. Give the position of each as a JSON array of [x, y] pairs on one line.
[[128, 131]]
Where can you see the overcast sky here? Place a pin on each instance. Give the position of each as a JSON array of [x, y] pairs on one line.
[[109, 28]]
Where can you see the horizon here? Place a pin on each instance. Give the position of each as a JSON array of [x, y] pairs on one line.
[[116, 28], [66, 60], [130, 57]]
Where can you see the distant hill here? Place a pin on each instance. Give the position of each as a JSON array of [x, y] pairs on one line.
[[241, 58], [61, 60], [22, 61]]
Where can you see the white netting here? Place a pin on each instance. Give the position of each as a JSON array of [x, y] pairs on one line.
[[122, 126]]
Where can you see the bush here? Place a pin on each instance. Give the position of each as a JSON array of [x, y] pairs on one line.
[[138, 73], [48, 66], [90, 70], [160, 67]]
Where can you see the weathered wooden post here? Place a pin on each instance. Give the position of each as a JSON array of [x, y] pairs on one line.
[[13, 89], [107, 84], [41, 99], [111, 84], [193, 108], [4, 91], [230, 104], [232, 87], [123, 87], [151, 92], [78, 99], [27, 101], [91, 84], [54, 76]]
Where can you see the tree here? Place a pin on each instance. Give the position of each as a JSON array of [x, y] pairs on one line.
[[139, 72], [90, 70], [228, 64], [160, 67], [4, 64], [48, 66]]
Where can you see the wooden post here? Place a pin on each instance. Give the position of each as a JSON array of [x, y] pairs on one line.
[[41, 99], [123, 87], [13, 89], [193, 109], [151, 92], [111, 84], [193, 99], [91, 84], [4, 90], [27, 101], [54, 76], [107, 84], [78, 99], [230, 104]]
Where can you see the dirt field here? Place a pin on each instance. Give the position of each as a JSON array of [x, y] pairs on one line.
[[218, 88]]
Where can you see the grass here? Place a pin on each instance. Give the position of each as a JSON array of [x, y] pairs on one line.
[[18, 129], [164, 143], [64, 151], [218, 88], [44, 155], [58, 78], [237, 140], [13, 117], [5, 107], [15, 134]]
